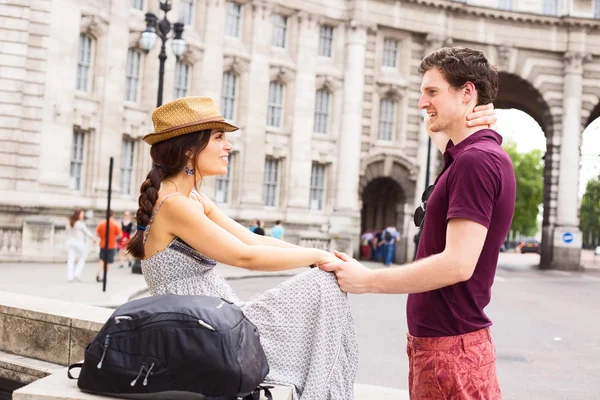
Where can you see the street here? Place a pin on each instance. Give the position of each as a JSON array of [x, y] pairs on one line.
[[546, 330]]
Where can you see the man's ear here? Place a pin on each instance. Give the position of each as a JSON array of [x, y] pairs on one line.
[[469, 92]]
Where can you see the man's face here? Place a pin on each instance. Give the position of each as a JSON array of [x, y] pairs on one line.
[[441, 102]]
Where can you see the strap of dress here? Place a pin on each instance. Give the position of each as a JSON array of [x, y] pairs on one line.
[[147, 231]]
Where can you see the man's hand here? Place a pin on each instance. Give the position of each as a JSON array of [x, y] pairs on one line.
[[484, 116], [352, 276]]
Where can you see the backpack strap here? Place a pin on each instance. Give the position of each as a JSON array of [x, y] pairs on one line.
[[255, 395], [76, 365]]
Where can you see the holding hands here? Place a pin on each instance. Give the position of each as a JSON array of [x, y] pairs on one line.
[[352, 276]]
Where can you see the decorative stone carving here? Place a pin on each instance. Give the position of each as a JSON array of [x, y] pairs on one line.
[[282, 74], [504, 52], [392, 91], [329, 83], [236, 64], [93, 25], [192, 54], [434, 41], [574, 61]]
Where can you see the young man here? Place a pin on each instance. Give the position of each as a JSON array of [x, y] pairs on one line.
[[464, 220], [389, 237], [114, 231]]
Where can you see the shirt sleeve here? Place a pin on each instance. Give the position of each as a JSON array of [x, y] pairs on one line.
[[473, 185]]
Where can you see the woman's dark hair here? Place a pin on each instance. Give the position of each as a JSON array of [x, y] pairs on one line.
[[460, 65], [74, 217], [168, 157]]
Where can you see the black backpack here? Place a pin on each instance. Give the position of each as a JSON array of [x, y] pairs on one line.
[[387, 236], [175, 347]]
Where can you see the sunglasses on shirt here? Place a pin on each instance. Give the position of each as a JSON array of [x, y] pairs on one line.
[[419, 215]]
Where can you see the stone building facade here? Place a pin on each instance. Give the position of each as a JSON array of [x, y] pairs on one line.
[[325, 94]]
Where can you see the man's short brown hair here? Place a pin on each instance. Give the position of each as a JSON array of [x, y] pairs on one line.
[[460, 65]]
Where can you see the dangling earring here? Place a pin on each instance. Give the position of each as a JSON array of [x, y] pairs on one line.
[[188, 170]]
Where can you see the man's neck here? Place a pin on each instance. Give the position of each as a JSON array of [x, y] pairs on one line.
[[462, 132]]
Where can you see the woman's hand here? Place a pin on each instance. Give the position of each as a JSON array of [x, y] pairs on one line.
[[484, 116]]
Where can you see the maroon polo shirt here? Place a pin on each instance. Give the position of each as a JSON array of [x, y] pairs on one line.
[[477, 183]]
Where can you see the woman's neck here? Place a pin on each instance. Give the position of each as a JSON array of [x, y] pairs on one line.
[[181, 183]]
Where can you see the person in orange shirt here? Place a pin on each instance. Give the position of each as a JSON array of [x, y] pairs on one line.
[[108, 255]]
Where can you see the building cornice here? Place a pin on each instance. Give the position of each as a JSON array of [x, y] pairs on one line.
[[453, 6]]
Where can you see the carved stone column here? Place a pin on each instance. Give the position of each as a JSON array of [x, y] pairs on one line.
[[567, 237]]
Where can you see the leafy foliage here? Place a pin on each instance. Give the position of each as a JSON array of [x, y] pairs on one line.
[[529, 172], [589, 213]]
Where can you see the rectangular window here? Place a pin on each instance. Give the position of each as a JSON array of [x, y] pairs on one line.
[[223, 183], [390, 53], [270, 182], [317, 186], [505, 4], [84, 62], [275, 107], [387, 119], [325, 40], [234, 19], [132, 74], [551, 7], [186, 11], [596, 9], [127, 152], [137, 4], [279, 23], [228, 92], [182, 79], [77, 153], [321, 123]]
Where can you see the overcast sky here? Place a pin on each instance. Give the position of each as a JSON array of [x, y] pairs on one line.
[[519, 127]]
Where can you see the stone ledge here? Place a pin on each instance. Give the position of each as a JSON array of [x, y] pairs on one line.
[[59, 387], [47, 330], [24, 370]]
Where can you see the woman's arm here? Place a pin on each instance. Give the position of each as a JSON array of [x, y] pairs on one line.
[[184, 219], [236, 229], [86, 231]]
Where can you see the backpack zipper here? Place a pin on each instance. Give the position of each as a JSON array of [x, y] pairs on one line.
[[106, 343]]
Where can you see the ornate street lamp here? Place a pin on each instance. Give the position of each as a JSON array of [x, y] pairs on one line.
[[148, 41]]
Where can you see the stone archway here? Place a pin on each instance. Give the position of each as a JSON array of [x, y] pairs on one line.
[[387, 190], [516, 92]]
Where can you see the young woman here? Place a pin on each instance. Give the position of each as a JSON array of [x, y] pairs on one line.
[[305, 324], [76, 232]]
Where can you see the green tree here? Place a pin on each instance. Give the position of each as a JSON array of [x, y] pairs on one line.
[[589, 213], [529, 172]]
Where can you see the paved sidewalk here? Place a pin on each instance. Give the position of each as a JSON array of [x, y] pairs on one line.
[[50, 281]]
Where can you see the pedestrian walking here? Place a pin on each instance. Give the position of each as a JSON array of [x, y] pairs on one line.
[[107, 254], [127, 231], [75, 233], [465, 217], [278, 231], [260, 227], [389, 237]]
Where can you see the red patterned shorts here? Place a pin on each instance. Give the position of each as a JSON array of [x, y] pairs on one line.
[[453, 367]]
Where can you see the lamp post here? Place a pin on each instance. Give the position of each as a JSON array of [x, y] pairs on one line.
[[148, 41]]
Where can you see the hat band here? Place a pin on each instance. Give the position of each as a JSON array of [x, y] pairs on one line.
[[202, 121]]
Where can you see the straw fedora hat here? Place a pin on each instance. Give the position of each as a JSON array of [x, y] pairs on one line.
[[186, 115]]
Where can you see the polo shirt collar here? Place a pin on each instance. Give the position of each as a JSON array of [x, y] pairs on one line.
[[454, 151]]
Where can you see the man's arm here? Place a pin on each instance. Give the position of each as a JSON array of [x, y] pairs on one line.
[[465, 239]]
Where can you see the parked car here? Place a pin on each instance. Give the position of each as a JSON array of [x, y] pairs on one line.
[[529, 246]]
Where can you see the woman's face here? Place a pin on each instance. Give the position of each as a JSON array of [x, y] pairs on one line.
[[213, 160], [81, 215]]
